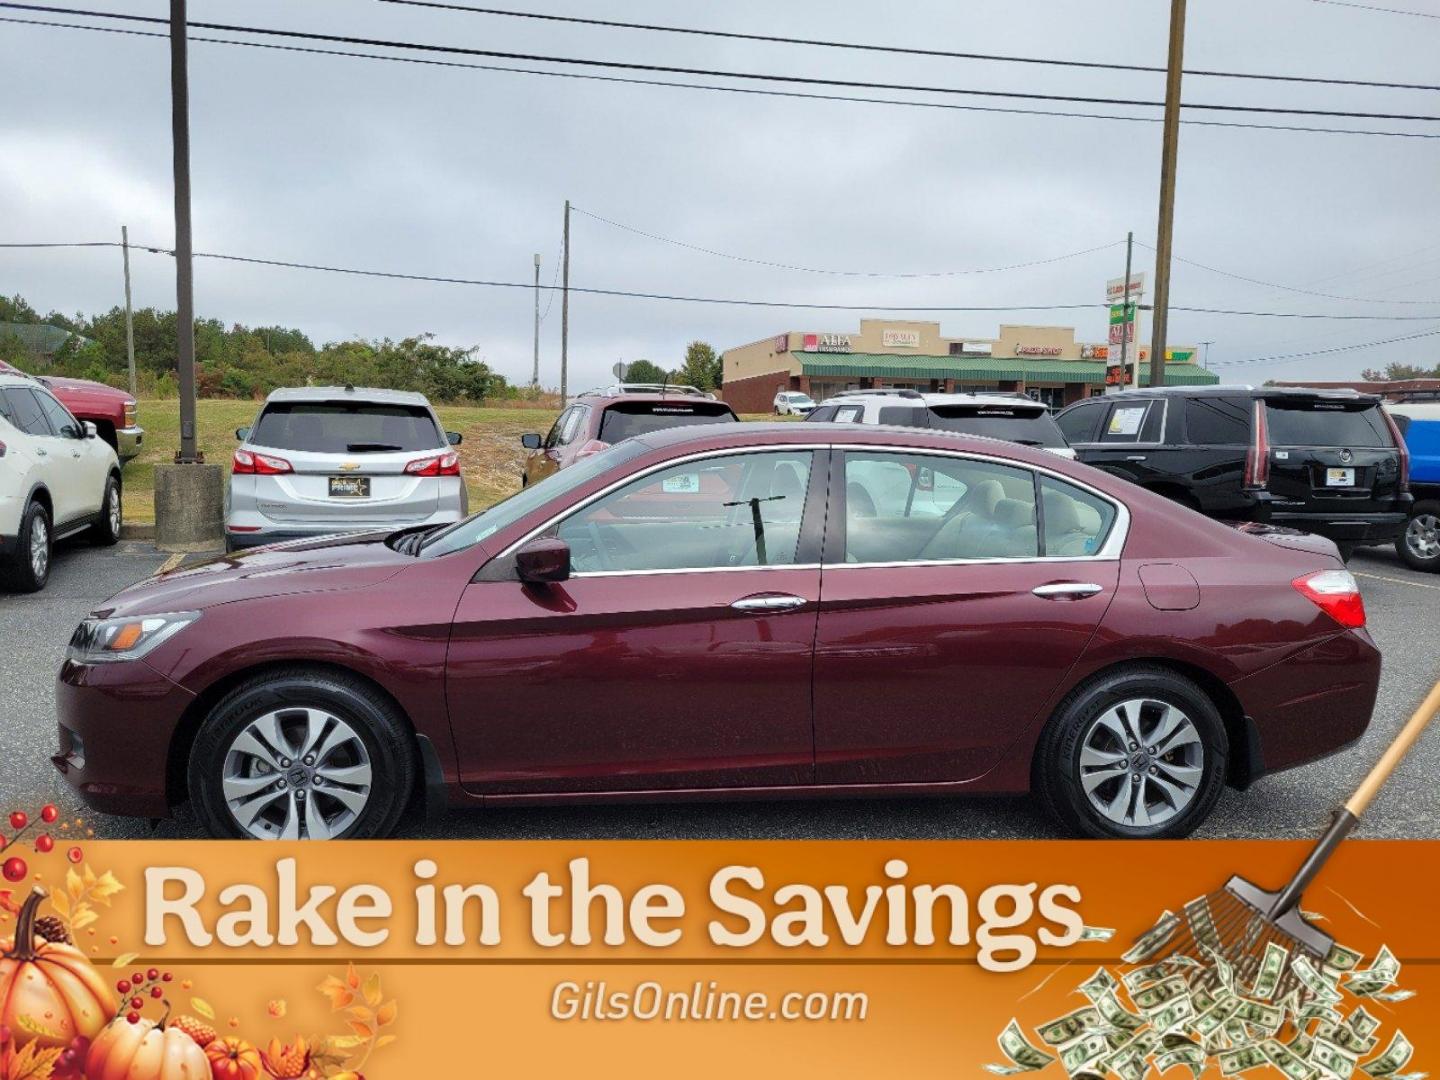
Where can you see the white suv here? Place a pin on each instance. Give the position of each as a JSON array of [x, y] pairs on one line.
[[57, 478], [1009, 417], [792, 403]]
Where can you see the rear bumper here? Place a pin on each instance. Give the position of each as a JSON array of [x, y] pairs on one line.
[[248, 530], [1352, 528], [128, 442]]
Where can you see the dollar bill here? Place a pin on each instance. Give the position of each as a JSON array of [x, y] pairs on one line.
[[1242, 1059], [1272, 966], [1302, 1044], [1223, 971], [1267, 1017], [1319, 987], [1178, 1012], [1069, 1027], [1154, 997], [1192, 1057], [1023, 1056], [1213, 1018], [1396, 1056], [1102, 982], [1342, 959], [1141, 976], [1287, 1061], [1334, 1060], [1391, 996], [1345, 1037], [1096, 933], [1115, 1014], [1361, 1022], [1083, 1052], [1381, 974], [1153, 940]]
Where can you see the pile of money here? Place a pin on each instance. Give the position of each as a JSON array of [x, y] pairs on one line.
[[1199, 1011]]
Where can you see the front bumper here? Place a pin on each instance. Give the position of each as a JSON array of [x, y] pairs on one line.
[[116, 724], [128, 442]]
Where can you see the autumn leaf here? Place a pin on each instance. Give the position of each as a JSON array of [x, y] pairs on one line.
[[73, 884], [203, 1007], [103, 889], [33, 1063], [372, 989], [344, 1042], [82, 918], [352, 977], [60, 902], [365, 1031], [386, 1013], [384, 1040], [124, 959], [339, 994]]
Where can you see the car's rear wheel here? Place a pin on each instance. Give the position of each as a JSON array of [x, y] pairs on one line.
[[1136, 754], [1419, 544], [29, 567], [302, 754], [106, 531]]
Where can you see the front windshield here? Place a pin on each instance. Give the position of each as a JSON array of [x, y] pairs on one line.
[[476, 527]]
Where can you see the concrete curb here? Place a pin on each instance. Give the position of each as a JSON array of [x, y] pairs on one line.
[[137, 532]]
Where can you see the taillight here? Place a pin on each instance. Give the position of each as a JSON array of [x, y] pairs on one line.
[[1257, 459], [247, 463], [1400, 446], [447, 464], [1335, 593]]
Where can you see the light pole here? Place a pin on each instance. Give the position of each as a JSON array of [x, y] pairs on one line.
[[535, 368], [1168, 154], [1205, 356]]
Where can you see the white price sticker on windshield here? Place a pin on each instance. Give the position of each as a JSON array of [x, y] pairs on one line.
[[683, 484]]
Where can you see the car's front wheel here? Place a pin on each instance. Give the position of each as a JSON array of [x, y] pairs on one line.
[[29, 568], [106, 531], [1419, 544], [302, 754], [1136, 754]]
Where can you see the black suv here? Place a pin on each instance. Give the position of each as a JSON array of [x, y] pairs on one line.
[[1326, 462]]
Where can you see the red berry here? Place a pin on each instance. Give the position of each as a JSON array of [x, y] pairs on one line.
[[44, 843], [152, 974], [138, 978], [19, 819], [156, 992], [166, 977], [137, 1003], [49, 812], [123, 986], [133, 1017], [75, 854], [15, 869]]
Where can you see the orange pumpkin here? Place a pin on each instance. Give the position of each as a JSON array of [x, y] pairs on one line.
[[50, 984], [233, 1059], [145, 1051]]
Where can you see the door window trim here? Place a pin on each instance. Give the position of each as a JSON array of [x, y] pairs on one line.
[[834, 557]]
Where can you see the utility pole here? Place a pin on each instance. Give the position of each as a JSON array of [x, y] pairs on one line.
[[535, 369], [129, 313], [1168, 153], [565, 313], [1205, 357], [184, 246], [1126, 317]]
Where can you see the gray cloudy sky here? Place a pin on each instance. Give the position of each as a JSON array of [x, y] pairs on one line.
[[463, 173]]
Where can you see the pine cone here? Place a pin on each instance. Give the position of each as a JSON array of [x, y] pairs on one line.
[[52, 929]]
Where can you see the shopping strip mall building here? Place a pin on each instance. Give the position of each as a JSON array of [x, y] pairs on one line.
[[1045, 362]]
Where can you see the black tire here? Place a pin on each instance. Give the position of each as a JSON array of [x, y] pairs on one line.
[[387, 737], [1428, 508], [20, 575], [106, 531], [1056, 774]]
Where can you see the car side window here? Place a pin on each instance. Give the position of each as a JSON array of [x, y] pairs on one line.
[[905, 415], [553, 436], [1218, 421], [26, 412], [728, 511], [60, 419], [926, 508], [571, 427], [1078, 424], [1126, 422], [822, 415], [1076, 522]]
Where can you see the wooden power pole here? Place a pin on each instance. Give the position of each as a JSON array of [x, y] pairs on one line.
[[565, 314], [129, 311], [184, 245], [1171, 144]]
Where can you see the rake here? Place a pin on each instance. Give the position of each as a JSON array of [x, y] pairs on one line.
[[1238, 922]]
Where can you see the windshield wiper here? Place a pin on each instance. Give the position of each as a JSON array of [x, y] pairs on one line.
[[358, 447]]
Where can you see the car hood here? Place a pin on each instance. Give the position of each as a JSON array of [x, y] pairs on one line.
[[84, 386], [325, 564]]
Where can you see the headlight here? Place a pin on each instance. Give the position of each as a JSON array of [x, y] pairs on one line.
[[99, 641], [130, 414]]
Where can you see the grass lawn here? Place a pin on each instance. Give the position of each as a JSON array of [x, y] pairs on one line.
[[490, 457]]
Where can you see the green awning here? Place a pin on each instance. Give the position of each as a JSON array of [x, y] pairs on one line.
[[986, 369]]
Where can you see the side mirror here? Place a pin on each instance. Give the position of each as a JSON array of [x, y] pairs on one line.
[[531, 441], [90, 431], [542, 561], [454, 438], [242, 433]]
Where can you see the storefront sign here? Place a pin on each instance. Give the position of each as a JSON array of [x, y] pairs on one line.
[[971, 348], [1118, 375], [828, 343], [1179, 356], [1115, 288], [1037, 350], [1122, 323], [900, 339], [1094, 352], [782, 343]]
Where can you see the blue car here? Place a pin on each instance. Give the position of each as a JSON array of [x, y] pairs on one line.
[[1419, 545]]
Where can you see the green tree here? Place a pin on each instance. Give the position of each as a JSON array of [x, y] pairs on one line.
[[1400, 371], [643, 371], [701, 368]]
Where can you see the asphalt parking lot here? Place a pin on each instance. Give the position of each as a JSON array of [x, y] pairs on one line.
[[1404, 612]]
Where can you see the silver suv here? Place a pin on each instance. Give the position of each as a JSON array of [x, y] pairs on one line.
[[1009, 417], [330, 459]]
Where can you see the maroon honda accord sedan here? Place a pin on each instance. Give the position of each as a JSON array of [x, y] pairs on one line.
[[744, 610]]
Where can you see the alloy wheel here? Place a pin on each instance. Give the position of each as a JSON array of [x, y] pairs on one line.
[[1141, 763], [114, 512], [1422, 536], [39, 546], [296, 773]]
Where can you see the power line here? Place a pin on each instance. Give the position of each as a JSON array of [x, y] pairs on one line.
[[724, 300], [763, 77], [1381, 10], [902, 50], [1286, 358], [746, 90], [842, 273]]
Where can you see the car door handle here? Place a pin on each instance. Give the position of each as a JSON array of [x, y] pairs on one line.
[[1067, 590], [769, 603]]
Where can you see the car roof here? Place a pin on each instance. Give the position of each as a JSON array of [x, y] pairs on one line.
[[368, 394], [604, 401], [1415, 410], [1221, 390], [1009, 400], [17, 378]]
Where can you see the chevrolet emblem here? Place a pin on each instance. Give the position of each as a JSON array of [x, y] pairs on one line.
[[349, 466]]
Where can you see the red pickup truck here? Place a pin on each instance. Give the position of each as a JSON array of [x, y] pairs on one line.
[[112, 411]]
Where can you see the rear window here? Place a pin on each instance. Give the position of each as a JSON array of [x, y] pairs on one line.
[[325, 427], [1017, 424], [1325, 423], [632, 418]]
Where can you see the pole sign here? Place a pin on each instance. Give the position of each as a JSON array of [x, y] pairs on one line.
[[1115, 290], [1119, 375], [1122, 323]]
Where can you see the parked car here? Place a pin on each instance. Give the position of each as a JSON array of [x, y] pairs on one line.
[[1324, 461], [57, 479], [793, 403], [330, 459], [1012, 417], [653, 623], [600, 418], [112, 411], [1419, 425]]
